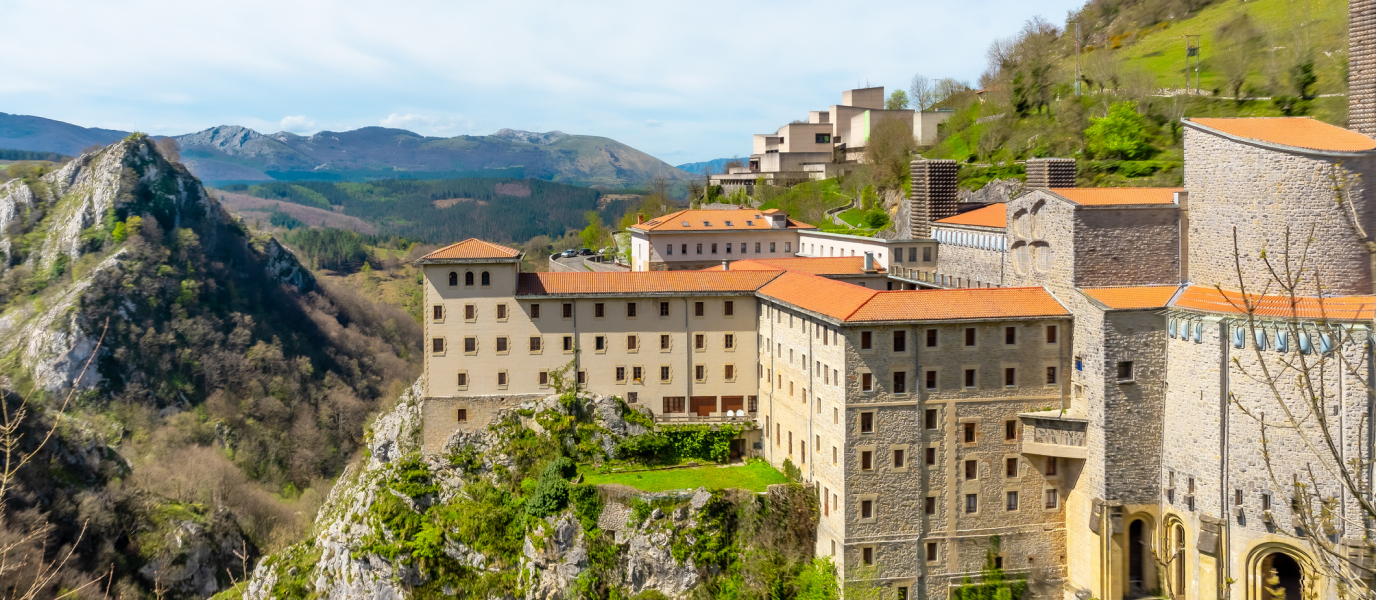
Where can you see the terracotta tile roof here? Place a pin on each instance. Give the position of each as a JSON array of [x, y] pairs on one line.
[[1146, 296], [1117, 196], [828, 265], [829, 297], [1298, 132], [994, 215], [472, 248], [974, 303], [1340, 308], [642, 282], [715, 220]]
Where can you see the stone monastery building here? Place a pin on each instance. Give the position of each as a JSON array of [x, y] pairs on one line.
[[1079, 375]]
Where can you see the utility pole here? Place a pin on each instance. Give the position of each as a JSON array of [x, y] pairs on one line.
[[1191, 51]]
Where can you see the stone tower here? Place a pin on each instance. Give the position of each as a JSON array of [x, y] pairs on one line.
[[933, 196], [1050, 173], [1361, 82]]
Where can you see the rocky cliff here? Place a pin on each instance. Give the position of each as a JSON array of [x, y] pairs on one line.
[[495, 517]]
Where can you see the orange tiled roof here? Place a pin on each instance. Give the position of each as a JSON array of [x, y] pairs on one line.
[[1298, 132], [994, 215], [472, 248], [1146, 296], [715, 220], [823, 265], [829, 297], [973, 303], [1117, 196], [1340, 308], [642, 282]]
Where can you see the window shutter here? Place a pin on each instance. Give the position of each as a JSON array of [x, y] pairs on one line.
[[1239, 339]]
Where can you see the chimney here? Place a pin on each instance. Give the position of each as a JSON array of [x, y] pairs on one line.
[[933, 195], [1050, 173], [1361, 66], [869, 262], [726, 265], [639, 218]]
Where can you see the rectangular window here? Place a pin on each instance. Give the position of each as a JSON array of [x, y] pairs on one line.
[[501, 378], [898, 459], [866, 553], [929, 456], [621, 374], [544, 378], [971, 503], [638, 374], [632, 342], [752, 404], [568, 343], [664, 373], [673, 404], [1050, 334], [729, 372], [1010, 430], [900, 341], [929, 418], [1237, 497], [866, 460], [757, 247], [927, 254], [683, 248], [866, 382], [699, 248], [729, 308], [969, 336], [599, 343], [1124, 371], [1265, 501], [583, 380], [698, 309], [470, 312], [1010, 335], [664, 341], [630, 309], [1052, 498], [470, 344], [729, 341], [463, 415], [663, 309], [929, 505], [931, 338], [969, 429], [866, 422], [1010, 377], [535, 311], [700, 372], [599, 310], [463, 379], [1010, 467], [866, 509], [788, 246], [714, 248], [771, 247], [699, 341], [931, 380], [670, 249], [437, 345], [1051, 466], [535, 343], [900, 382], [1011, 502], [501, 344], [439, 313], [866, 340], [971, 469], [1050, 375], [969, 378], [931, 551], [568, 310]]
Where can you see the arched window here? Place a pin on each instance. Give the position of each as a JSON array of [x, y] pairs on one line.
[[453, 278], [1178, 557], [468, 278], [487, 279]]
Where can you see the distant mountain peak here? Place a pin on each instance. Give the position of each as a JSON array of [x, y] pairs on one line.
[[531, 137], [220, 137]]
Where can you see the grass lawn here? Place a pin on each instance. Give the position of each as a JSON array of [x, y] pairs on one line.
[[853, 216], [754, 477]]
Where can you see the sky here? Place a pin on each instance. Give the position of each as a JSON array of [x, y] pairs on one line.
[[682, 81]]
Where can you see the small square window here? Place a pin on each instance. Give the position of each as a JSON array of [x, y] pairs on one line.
[[1010, 377], [1010, 335], [535, 311], [1050, 334], [1011, 500], [866, 509], [729, 308], [931, 338], [929, 456], [599, 310], [971, 503], [1010, 467], [568, 310], [599, 343], [1125, 373], [664, 373], [969, 430], [899, 459], [470, 312], [866, 340], [535, 343], [1051, 376], [866, 382], [971, 469], [867, 553], [970, 378], [637, 374], [463, 379], [866, 460], [866, 422], [931, 380], [630, 309], [544, 378], [1010, 430], [501, 312], [632, 397], [1053, 499], [929, 505], [969, 336], [502, 344], [470, 344], [438, 314], [929, 418], [463, 415], [437, 345], [931, 551], [663, 309], [568, 343], [699, 309]]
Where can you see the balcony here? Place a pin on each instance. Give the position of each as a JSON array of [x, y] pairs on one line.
[[715, 418], [1054, 433]]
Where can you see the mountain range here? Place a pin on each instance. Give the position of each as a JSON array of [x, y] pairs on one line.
[[717, 165], [231, 153]]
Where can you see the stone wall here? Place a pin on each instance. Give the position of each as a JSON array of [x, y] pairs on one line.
[[1262, 193], [440, 416], [1133, 408], [1123, 246], [972, 262], [1361, 87]]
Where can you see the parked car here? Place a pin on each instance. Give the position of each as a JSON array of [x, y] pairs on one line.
[[568, 254], [585, 252]]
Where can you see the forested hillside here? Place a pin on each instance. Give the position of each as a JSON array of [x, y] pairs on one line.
[[442, 211], [226, 386]]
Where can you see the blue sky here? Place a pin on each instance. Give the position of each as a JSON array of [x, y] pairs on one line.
[[682, 81]]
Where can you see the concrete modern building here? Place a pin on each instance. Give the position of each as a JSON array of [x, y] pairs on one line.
[[828, 141]]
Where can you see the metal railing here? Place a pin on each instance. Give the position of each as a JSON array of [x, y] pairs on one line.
[[688, 418]]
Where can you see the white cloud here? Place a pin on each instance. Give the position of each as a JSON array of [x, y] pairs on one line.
[[524, 64], [297, 124]]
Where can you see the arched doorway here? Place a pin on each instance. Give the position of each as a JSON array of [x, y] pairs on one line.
[[1178, 582], [1136, 559], [1281, 577]]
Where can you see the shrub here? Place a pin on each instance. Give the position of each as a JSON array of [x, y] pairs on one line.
[[587, 504], [1121, 134], [552, 491]]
